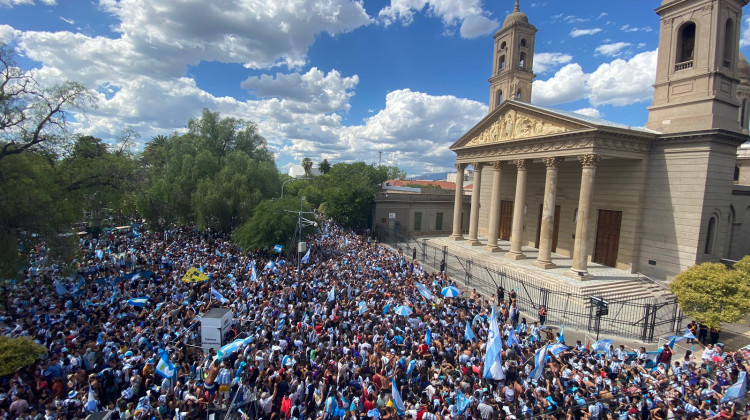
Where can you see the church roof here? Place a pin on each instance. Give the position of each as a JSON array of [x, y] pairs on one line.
[[590, 120], [516, 16]]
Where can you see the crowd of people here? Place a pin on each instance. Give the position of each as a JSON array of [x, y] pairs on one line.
[[361, 331]]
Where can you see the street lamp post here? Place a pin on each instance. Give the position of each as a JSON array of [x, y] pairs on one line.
[[289, 180]]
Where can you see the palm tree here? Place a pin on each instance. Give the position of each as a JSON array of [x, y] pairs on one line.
[[324, 166], [307, 164]]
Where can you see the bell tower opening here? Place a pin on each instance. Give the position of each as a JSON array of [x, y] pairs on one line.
[[513, 60], [696, 71]]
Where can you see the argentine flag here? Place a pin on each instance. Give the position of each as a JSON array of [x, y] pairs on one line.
[[253, 272], [164, 368], [218, 296], [270, 265], [138, 302], [469, 333], [493, 360], [738, 390], [277, 248], [306, 258], [427, 337], [397, 401], [539, 361], [561, 338]]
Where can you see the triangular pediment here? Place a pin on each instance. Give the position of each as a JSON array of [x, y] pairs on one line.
[[515, 121]]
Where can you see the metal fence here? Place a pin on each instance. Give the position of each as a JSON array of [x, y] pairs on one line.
[[643, 318]]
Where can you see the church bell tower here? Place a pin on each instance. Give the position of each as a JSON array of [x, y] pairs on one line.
[[513, 60], [696, 74]]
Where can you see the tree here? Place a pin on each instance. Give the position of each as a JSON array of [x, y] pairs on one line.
[[307, 164], [394, 173], [18, 353], [712, 294], [270, 224], [324, 166], [33, 117]]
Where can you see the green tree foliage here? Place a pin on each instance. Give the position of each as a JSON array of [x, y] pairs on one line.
[[18, 353], [214, 175], [392, 172], [324, 166], [347, 192], [307, 165], [270, 224], [712, 294], [33, 117]]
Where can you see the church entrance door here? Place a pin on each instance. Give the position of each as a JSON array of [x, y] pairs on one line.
[[607, 237], [506, 220]]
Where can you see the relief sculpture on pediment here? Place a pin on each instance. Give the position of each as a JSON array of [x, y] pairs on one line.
[[514, 125]]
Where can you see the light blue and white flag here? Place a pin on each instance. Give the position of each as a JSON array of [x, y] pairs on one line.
[[397, 401], [253, 272], [428, 337], [493, 360], [138, 302], [99, 254], [386, 308], [306, 258], [601, 346], [332, 294], [469, 333], [557, 348], [362, 307], [270, 265], [540, 359], [215, 293], [738, 390], [164, 368], [512, 338], [561, 338], [424, 291], [277, 248], [462, 403], [59, 288], [677, 338], [219, 253]]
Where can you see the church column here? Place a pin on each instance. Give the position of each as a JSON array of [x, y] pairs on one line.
[[475, 192], [516, 235], [458, 203], [548, 214], [495, 207], [581, 246]]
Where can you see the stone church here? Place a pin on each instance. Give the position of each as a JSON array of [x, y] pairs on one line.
[[654, 200]]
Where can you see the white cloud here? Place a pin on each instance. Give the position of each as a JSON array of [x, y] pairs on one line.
[[602, 15], [476, 26], [613, 49], [313, 91], [68, 21], [618, 83], [628, 28], [11, 3], [575, 33], [567, 85], [745, 39], [589, 112], [469, 14], [8, 34], [623, 82], [544, 62]]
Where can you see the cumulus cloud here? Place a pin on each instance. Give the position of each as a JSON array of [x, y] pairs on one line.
[[745, 38], [589, 112], [8, 34], [473, 19], [575, 33], [616, 83], [628, 28], [414, 127], [544, 62], [313, 91], [612, 50]]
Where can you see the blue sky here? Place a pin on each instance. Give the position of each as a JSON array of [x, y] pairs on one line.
[[335, 79]]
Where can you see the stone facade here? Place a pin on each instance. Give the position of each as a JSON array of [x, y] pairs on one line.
[[653, 200]]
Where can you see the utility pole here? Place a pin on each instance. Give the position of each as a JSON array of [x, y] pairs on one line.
[[300, 221]]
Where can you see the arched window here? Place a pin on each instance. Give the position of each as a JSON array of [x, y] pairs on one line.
[[743, 114], [523, 42], [522, 61], [503, 45], [501, 64], [686, 44], [736, 174], [710, 235], [499, 97], [518, 94], [728, 42]]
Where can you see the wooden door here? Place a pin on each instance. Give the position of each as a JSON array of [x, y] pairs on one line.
[[506, 220], [607, 237], [555, 227]]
